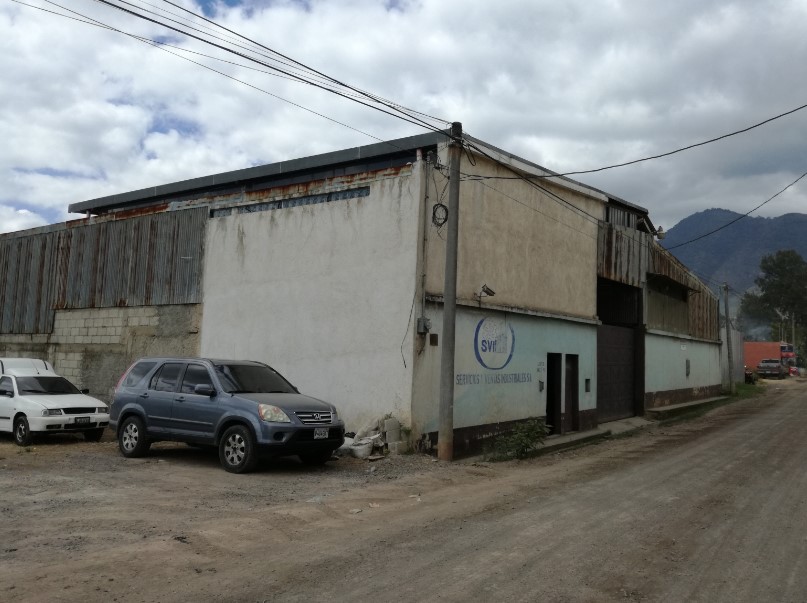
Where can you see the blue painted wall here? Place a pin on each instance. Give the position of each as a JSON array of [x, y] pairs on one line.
[[500, 362]]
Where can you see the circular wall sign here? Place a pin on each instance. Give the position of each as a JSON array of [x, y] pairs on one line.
[[494, 343]]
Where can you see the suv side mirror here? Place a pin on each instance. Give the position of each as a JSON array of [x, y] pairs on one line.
[[8, 393], [204, 389], [85, 391]]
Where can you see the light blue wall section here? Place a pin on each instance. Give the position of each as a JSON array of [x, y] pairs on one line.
[[500, 363], [665, 363]]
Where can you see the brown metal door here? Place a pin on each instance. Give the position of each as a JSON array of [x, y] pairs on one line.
[[572, 393], [554, 374], [615, 373]]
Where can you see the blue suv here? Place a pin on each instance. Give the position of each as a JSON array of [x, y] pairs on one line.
[[242, 407]]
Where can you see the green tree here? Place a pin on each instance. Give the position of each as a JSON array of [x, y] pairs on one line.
[[783, 284], [780, 301]]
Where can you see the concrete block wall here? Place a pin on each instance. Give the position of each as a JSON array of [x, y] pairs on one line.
[[101, 326], [93, 347], [24, 346]]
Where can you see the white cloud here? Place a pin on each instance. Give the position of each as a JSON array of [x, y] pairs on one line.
[[571, 85], [18, 219]]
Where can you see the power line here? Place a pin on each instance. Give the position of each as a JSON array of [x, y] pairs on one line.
[[390, 103], [369, 95], [161, 46], [81, 18], [536, 210], [737, 219], [400, 114], [230, 39], [688, 147], [651, 157], [535, 185], [385, 107]]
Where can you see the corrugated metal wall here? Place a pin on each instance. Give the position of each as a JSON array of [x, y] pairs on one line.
[[704, 314], [622, 254], [154, 259], [627, 256], [27, 266]]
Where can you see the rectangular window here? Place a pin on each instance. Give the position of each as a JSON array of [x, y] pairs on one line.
[[136, 374], [195, 374], [165, 379]]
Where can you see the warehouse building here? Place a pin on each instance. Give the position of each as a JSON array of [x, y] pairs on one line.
[[330, 268]]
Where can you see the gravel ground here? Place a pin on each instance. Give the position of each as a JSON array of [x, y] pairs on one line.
[[707, 510]]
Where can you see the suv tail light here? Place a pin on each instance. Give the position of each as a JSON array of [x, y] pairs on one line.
[[122, 377]]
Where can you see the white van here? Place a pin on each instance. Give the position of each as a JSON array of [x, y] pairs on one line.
[[35, 400]]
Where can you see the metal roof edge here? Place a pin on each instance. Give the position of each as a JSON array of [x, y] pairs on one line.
[[554, 177], [343, 156], [563, 180]]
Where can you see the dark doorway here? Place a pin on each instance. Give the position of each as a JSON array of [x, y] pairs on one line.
[[620, 351], [572, 391], [554, 379], [615, 373]]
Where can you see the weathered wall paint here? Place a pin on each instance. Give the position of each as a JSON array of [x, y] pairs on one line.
[[665, 363], [536, 252], [500, 362], [324, 293]]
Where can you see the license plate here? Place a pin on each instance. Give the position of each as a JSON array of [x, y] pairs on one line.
[[321, 433], [80, 420]]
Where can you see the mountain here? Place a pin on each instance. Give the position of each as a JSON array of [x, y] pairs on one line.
[[732, 254]]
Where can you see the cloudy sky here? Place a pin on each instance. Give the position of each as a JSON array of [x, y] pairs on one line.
[[573, 85]]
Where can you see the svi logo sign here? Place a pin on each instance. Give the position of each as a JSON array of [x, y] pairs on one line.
[[494, 343]]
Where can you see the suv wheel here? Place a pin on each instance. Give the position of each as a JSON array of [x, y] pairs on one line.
[[132, 439], [22, 433], [237, 451]]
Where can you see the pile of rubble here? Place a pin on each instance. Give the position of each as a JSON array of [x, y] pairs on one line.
[[375, 440]]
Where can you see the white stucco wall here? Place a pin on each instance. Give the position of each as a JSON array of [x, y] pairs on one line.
[[665, 363], [323, 294]]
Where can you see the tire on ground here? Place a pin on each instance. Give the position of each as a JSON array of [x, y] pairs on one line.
[[22, 432], [132, 439], [237, 449]]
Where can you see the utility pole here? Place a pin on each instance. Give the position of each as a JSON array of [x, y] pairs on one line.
[[793, 330], [732, 385], [445, 433]]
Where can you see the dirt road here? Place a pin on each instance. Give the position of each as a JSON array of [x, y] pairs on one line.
[[709, 510]]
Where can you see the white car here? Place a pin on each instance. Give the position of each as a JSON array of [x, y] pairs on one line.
[[35, 400]]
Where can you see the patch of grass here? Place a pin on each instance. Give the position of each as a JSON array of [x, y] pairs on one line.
[[747, 390], [521, 442]]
